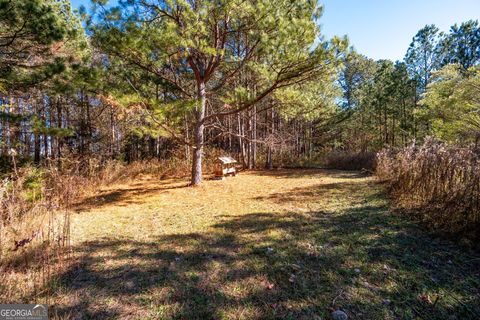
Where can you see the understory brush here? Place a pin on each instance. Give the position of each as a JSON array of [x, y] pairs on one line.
[[347, 160], [35, 207], [332, 159], [437, 182]]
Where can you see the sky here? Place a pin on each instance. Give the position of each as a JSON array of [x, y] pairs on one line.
[[383, 29]]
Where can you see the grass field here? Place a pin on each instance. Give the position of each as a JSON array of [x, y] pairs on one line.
[[292, 244]]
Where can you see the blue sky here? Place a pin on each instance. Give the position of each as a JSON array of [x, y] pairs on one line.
[[383, 29]]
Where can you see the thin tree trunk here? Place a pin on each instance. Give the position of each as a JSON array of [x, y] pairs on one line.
[[269, 162], [230, 129], [187, 147], [112, 134], [45, 136], [249, 140], [199, 135], [254, 138], [240, 139], [59, 138]]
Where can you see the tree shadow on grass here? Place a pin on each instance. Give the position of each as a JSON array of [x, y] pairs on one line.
[[318, 193], [270, 265], [427, 276], [311, 173], [124, 196]]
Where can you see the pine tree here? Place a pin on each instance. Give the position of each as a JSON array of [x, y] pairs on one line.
[[197, 49]]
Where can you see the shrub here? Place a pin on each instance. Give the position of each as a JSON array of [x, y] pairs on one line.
[[33, 235], [35, 218], [437, 182], [345, 160]]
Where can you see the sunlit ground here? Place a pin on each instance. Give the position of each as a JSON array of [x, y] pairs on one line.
[[263, 245]]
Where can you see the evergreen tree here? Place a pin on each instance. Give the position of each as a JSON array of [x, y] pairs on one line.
[[453, 104], [195, 49], [32, 35], [421, 57], [461, 45]]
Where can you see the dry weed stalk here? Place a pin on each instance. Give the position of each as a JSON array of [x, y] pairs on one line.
[[35, 216], [441, 183]]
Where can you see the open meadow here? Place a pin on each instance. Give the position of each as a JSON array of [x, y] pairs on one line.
[[284, 244]]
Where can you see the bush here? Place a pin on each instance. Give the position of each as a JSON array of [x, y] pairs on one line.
[[34, 233], [35, 217], [437, 182], [345, 160]]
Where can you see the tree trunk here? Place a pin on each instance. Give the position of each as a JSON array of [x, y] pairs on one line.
[[36, 152], [241, 143], [269, 158], [254, 137], [45, 136], [59, 138], [36, 138], [199, 138], [249, 140], [187, 147], [112, 134]]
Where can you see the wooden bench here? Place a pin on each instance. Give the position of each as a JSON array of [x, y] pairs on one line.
[[225, 166]]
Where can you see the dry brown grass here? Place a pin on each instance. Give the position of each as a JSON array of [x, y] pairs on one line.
[[438, 183], [35, 219], [35, 211], [34, 234], [177, 208]]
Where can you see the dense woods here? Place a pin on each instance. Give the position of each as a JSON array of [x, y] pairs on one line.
[[139, 86], [107, 92], [147, 85], [433, 92]]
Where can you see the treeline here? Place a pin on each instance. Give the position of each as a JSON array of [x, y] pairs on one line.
[[433, 92], [152, 79]]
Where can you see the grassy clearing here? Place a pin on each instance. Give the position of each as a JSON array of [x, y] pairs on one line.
[[293, 244]]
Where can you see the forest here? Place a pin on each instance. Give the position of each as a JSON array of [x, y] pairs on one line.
[[112, 119]]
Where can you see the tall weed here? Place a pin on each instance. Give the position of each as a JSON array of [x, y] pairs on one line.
[[438, 182], [35, 207]]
